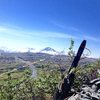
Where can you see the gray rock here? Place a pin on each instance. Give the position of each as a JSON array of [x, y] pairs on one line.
[[89, 92]]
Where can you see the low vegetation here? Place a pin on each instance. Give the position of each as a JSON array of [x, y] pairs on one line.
[[20, 85]]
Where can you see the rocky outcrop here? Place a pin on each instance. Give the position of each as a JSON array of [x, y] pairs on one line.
[[89, 91]]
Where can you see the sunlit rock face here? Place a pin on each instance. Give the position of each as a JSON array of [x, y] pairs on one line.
[[88, 92]]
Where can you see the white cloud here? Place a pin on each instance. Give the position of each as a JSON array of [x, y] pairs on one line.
[[60, 25], [25, 33], [2, 29], [75, 29], [12, 31], [52, 35], [92, 38], [57, 24], [18, 32]]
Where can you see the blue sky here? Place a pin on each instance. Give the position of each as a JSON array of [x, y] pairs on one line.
[[42, 23]]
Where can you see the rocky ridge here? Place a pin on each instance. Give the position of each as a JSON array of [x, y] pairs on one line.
[[89, 91]]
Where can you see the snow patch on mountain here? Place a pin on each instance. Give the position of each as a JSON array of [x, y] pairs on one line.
[[49, 50]]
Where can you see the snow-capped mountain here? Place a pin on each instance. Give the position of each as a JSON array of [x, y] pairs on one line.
[[49, 50]]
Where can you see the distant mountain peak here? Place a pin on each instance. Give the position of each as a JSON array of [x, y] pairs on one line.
[[49, 50]]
